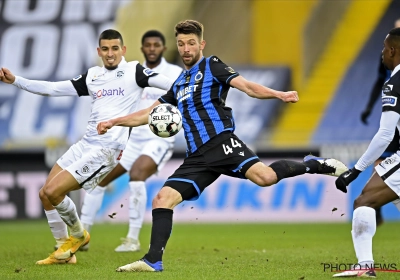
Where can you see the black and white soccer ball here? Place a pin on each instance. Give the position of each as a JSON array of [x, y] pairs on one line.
[[165, 120]]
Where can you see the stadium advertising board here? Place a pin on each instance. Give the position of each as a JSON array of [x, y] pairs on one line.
[[307, 198], [301, 199]]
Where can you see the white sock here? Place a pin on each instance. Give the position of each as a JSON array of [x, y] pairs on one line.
[[57, 226], [363, 230], [137, 207], [91, 205], [68, 214]]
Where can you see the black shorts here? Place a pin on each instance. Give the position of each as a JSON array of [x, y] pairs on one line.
[[223, 154]]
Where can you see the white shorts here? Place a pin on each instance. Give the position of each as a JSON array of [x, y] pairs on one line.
[[159, 150], [89, 164], [389, 171]]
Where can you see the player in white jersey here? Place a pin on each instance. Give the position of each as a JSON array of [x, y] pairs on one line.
[[384, 185], [115, 90], [144, 155]]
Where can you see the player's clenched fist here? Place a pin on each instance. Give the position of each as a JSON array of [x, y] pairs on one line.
[[103, 127], [290, 96], [6, 76]]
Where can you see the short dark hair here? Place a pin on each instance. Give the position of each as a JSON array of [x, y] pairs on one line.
[[111, 34], [153, 33], [395, 32], [189, 26]]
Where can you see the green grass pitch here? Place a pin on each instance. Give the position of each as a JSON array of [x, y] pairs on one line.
[[199, 251]]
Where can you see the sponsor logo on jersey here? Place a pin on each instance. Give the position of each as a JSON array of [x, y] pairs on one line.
[[108, 92], [186, 93], [230, 70], [151, 96], [215, 59], [185, 79], [120, 74], [148, 72], [389, 101], [77, 78], [387, 89], [95, 77]]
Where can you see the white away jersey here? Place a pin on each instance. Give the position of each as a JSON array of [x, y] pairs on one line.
[[115, 93], [390, 118], [151, 95]]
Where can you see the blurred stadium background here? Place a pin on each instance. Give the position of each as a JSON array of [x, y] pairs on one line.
[[326, 50]]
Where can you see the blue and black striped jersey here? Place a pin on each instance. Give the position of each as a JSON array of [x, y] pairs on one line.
[[200, 95]]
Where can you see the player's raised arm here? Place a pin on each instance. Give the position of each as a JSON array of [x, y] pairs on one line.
[[132, 120], [62, 88], [261, 92]]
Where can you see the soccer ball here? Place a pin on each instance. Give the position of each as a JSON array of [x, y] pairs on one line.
[[165, 120]]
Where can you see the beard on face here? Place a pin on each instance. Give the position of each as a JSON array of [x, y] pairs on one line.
[[155, 61], [191, 62], [111, 67]]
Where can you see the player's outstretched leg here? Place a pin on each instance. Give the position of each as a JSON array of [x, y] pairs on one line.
[[52, 260], [313, 165], [327, 166]]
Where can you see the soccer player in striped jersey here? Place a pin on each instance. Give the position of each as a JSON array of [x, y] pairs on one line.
[[212, 147]]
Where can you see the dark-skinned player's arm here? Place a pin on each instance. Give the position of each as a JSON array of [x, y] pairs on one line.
[[377, 146], [132, 120]]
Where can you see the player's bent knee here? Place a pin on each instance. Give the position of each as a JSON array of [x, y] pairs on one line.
[[264, 180], [261, 175], [166, 198], [48, 192], [42, 194]]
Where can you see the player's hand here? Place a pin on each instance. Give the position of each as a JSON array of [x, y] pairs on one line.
[[6, 76], [364, 115], [290, 96], [346, 178], [103, 127]]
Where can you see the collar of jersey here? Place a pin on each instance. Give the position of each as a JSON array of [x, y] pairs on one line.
[[395, 70]]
